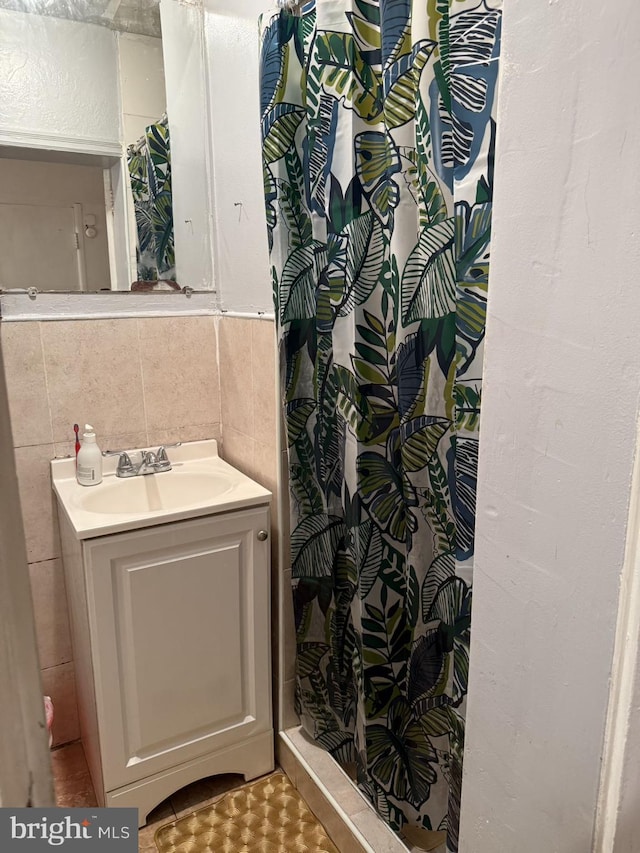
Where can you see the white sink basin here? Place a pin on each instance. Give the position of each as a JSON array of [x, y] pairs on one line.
[[154, 492], [200, 483]]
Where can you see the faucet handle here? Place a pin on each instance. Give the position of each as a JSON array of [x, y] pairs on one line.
[[124, 461], [161, 455], [125, 465]]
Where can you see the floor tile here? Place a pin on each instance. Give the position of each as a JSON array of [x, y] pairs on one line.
[[71, 777]]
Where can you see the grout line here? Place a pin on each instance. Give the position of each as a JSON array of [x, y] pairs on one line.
[[60, 746], [144, 393], [46, 384], [36, 444], [253, 381], [240, 433], [216, 337], [56, 665], [216, 331]]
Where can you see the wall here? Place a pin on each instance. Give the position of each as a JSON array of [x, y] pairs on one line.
[[25, 773], [142, 89], [560, 401], [59, 184], [58, 79], [240, 250], [247, 358], [140, 383]]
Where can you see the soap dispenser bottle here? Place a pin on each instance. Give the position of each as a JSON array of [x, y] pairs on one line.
[[89, 466]]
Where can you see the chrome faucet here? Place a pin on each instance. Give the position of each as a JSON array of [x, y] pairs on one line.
[[140, 462]]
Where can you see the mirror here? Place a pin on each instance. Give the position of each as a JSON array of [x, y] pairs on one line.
[[103, 165]]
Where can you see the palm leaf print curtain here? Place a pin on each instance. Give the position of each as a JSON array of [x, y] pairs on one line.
[[378, 135], [150, 174]]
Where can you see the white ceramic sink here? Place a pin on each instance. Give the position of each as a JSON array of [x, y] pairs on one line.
[[155, 492], [200, 483]]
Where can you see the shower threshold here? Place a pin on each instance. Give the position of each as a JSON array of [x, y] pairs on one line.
[[333, 797]]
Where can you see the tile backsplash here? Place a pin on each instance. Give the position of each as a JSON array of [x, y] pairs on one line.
[[132, 379], [139, 382], [248, 396], [248, 363]]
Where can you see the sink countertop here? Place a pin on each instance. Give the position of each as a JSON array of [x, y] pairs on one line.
[[200, 483]]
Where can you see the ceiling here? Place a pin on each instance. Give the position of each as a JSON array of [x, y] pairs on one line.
[[129, 16]]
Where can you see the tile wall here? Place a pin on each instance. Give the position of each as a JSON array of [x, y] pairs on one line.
[[140, 382], [248, 363]]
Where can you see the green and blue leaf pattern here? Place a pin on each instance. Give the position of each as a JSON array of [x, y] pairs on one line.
[[150, 177], [378, 127]]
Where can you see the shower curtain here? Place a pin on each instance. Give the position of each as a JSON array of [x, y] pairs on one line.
[[378, 135], [150, 175]]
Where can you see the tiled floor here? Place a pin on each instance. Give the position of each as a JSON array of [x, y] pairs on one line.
[[74, 789], [71, 777]]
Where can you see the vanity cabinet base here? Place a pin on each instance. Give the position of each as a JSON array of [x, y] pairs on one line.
[[171, 636], [252, 758]]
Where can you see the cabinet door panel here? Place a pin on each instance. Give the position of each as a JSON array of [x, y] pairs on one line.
[[177, 615], [180, 622]]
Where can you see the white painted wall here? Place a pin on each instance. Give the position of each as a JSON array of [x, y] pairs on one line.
[[57, 79], [240, 247], [562, 381], [142, 89]]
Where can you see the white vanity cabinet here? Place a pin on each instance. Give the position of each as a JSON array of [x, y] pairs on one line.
[[171, 640]]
